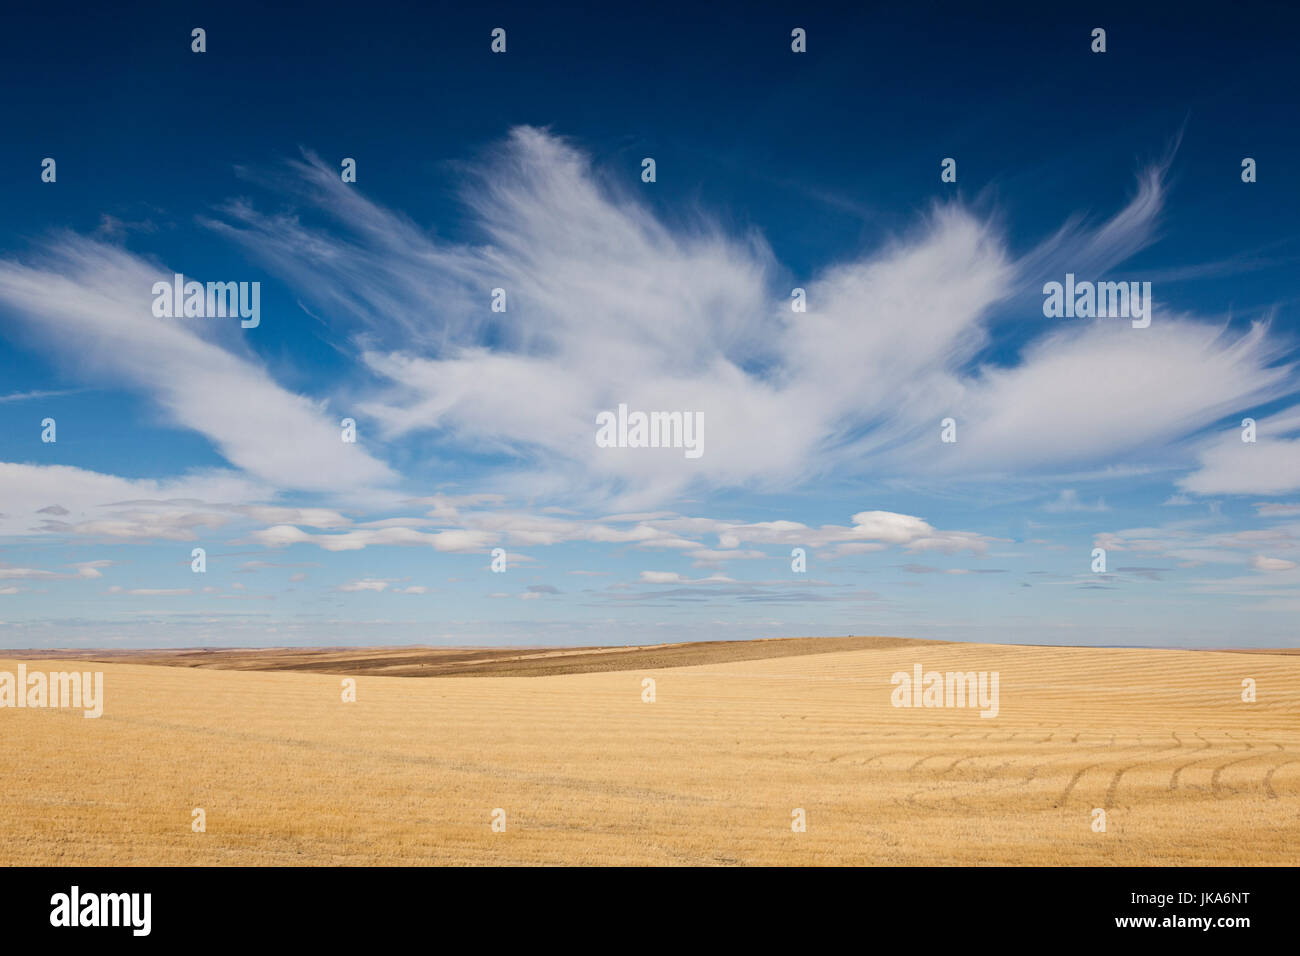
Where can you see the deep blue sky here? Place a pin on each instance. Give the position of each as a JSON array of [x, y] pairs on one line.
[[739, 124], [831, 157]]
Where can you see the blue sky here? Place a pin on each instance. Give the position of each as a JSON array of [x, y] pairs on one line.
[[774, 171]]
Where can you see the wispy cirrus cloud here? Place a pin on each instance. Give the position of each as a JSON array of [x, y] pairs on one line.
[[1269, 465], [686, 317], [610, 302], [89, 303], [37, 394], [691, 317]]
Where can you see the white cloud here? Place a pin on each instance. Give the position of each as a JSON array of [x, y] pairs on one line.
[[455, 541], [1097, 391], [479, 530], [1270, 465], [149, 592], [90, 304], [366, 584], [24, 573], [689, 318], [661, 577], [671, 577], [311, 517], [84, 570], [1261, 563], [1194, 545], [683, 317], [1069, 500], [60, 499], [90, 569]]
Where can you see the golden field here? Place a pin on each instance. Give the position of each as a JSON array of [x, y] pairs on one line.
[[707, 774]]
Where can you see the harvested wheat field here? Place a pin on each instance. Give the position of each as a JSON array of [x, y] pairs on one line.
[[708, 773]]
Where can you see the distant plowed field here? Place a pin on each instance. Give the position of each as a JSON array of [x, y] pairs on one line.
[[587, 772], [479, 661]]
